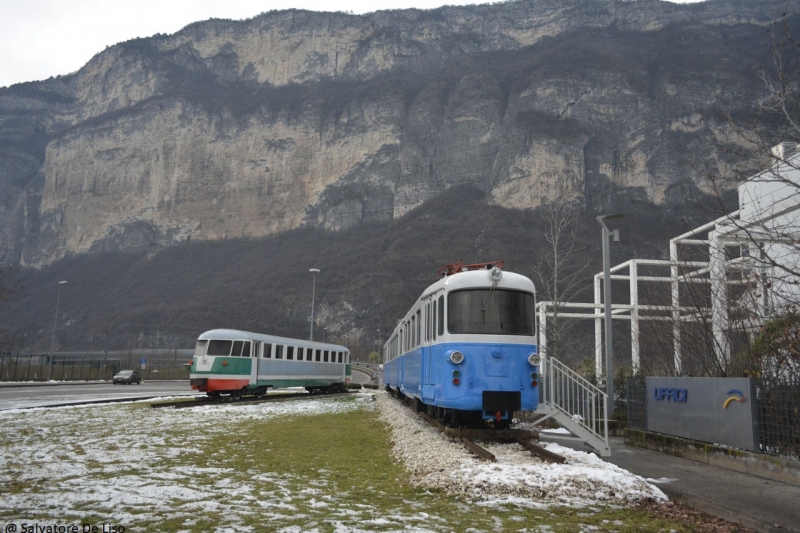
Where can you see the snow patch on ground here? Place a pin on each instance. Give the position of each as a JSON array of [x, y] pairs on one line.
[[116, 462], [436, 461], [124, 464]]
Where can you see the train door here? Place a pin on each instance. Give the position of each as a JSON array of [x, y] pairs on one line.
[[252, 348], [428, 394]]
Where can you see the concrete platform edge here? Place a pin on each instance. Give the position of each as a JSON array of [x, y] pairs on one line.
[[755, 464]]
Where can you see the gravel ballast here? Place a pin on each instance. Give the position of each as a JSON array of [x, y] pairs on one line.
[[435, 461]]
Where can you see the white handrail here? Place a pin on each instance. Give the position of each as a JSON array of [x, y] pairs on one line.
[[570, 393]]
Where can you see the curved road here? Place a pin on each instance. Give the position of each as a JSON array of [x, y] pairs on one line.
[[51, 394], [26, 395]]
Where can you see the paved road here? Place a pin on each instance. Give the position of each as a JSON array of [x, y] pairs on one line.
[[754, 502], [16, 395], [361, 375], [13, 396]]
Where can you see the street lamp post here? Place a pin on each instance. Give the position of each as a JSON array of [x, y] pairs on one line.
[[314, 272], [607, 301], [53, 338], [380, 347]]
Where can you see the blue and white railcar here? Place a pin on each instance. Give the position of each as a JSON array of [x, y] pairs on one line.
[[467, 349]]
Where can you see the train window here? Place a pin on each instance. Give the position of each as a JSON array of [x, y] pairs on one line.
[[278, 351], [325, 356], [427, 321], [300, 352], [200, 349], [216, 347], [440, 316], [247, 349], [340, 357], [419, 327], [290, 352], [237, 349], [433, 321], [309, 354], [267, 351], [490, 311], [318, 355]]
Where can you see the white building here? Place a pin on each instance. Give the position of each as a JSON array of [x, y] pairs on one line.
[[749, 271]]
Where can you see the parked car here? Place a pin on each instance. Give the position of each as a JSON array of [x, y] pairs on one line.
[[127, 376]]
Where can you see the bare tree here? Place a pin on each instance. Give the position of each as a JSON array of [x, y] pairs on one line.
[[560, 272], [769, 139], [766, 227], [752, 255]]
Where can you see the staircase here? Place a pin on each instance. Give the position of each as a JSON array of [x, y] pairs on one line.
[[574, 403]]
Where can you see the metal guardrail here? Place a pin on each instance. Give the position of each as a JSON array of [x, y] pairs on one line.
[[583, 404]]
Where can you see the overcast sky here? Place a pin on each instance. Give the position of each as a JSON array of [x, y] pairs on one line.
[[43, 38]]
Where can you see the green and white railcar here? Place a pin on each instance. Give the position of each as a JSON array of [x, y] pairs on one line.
[[228, 361]]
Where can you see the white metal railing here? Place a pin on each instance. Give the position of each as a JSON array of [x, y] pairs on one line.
[[566, 391]]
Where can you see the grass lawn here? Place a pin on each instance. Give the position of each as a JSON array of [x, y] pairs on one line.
[[309, 465]]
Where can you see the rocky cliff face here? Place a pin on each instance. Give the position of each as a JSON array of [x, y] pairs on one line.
[[245, 129]]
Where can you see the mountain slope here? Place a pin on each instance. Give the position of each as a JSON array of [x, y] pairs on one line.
[[295, 119]]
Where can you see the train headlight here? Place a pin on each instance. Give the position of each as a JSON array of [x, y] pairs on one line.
[[495, 274], [456, 357], [534, 359]]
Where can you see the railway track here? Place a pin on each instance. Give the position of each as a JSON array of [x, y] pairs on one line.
[[521, 436], [205, 400]]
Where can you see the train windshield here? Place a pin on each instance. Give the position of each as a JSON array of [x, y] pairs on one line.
[[216, 347], [200, 349], [490, 312]]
